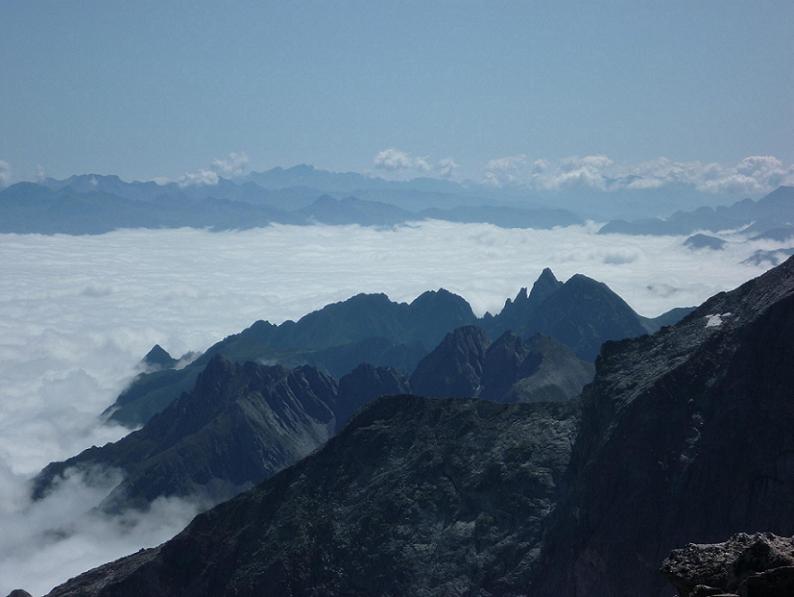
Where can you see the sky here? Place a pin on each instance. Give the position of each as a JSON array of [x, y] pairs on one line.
[[151, 88]]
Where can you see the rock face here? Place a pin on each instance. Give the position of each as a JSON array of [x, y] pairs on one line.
[[454, 368], [240, 424], [534, 370], [685, 436], [757, 565], [363, 385], [415, 496], [510, 369]]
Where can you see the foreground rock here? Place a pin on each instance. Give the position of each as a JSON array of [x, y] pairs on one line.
[[758, 565], [415, 496]]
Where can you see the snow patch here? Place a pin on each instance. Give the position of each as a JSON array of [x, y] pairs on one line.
[[715, 320]]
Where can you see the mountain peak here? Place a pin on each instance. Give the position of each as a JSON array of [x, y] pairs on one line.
[[159, 358], [546, 284]]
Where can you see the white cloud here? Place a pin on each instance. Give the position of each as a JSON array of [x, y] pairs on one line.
[[446, 167], [399, 162], [754, 175], [45, 542], [80, 314], [506, 170], [233, 165], [5, 173], [203, 176], [396, 160]]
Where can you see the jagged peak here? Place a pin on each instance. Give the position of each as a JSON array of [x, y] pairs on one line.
[[546, 284]]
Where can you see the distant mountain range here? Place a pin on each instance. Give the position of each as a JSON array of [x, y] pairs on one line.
[[771, 217], [684, 436], [93, 204]]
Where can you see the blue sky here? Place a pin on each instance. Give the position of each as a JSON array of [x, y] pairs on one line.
[[157, 88]]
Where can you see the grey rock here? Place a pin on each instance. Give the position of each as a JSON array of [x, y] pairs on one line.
[[750, 565]]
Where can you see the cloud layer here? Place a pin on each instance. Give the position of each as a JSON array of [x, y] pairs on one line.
[[754, 175], [77, 314]]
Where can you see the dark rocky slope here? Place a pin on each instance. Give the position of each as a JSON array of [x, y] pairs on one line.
[[758, 565], [685, 436], [415, 497], [363, 385], [535, 369], [454, 368], [467, 364], [239, 425]]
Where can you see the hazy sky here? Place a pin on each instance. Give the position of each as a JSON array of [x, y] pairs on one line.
[[150, 88]]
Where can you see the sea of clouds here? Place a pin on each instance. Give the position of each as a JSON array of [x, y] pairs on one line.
[[77, 313]]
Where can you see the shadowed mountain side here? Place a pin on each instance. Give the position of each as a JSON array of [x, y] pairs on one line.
[[467, 364], [416, 496], [366, 327], [454, 368], [537, 369], [685, 437], [581, 313], [240, 424]]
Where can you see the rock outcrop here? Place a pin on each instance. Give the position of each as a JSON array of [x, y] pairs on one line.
[[757, 565]]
